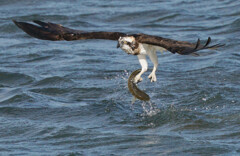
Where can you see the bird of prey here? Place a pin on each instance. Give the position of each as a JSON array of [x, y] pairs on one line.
[[141, 45]]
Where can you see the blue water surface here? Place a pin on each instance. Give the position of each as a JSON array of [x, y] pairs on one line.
[[71, 98]]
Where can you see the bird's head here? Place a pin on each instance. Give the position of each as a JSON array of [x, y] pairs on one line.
[[128, 44]]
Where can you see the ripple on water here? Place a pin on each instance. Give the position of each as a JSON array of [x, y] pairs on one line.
[[71, 98], [18, 99], [53, 81], [14, 79]]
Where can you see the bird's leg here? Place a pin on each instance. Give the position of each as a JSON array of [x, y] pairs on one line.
[[144, 65], [153, 57]]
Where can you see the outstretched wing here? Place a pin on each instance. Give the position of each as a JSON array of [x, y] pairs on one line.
[[180, 47], [56, 32]]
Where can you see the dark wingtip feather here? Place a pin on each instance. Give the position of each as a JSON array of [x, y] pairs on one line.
[[14, 21], [40, 23], [17, 23], [208, 41], [36, 31], [198, 43], [216, 46], [198, 47]]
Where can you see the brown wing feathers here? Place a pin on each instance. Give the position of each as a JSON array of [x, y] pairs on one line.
[[198, 47], [180, 47], [39, 32], [56, 32]]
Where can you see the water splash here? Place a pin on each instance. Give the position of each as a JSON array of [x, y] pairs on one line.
[[149, 109]]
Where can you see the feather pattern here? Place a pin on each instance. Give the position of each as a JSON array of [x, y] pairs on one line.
[[56, 32]]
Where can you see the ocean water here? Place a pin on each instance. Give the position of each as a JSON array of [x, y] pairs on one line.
[[71, 98]]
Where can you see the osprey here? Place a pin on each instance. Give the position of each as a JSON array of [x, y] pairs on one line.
[[141, 45]]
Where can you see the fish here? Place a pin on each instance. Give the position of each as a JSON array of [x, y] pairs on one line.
[[134, 90]]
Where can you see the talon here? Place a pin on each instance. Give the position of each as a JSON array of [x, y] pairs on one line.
[[153, 77], [137, 79]]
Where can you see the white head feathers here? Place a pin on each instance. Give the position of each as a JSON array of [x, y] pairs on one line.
[[128, 44]]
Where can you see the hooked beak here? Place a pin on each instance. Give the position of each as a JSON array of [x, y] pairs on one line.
[[118, 45]]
